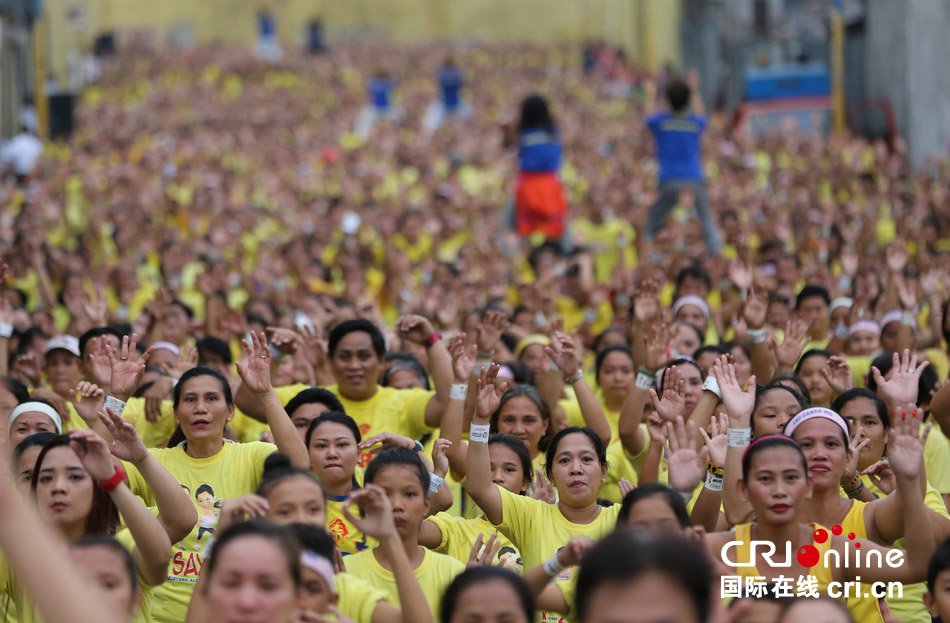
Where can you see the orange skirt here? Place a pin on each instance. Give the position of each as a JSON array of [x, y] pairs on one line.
[[540, 205]]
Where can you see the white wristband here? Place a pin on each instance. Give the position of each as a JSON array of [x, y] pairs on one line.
[[756, 336], [458, 391], [553, 567], [907, 318], [712, 385], [644, 380], [115, 404], [435, 483], [6, 329], [739, 437], [713, 482], [479, 433]]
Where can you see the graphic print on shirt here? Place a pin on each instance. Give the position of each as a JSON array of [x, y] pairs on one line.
[[208, 511]]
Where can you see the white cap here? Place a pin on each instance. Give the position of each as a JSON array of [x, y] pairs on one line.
[[63, 342]]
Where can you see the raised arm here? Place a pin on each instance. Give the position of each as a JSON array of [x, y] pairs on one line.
[[418, 329], [152, 545], [755, 311], [176, 512], [463, 364], [478, 482], [255, 374], [739, 405], [562, 353]]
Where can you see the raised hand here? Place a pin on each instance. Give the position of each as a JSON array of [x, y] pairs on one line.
[[377, 520], [657, 429], [286, 341], [88, 399], [790, 350], [186, 360], [314, 345], [900, 390], [755, 310], [646, 302], [740, 274], [126, 373], [897, 257], [440, 462], [493, 326], [658, 346], [717, 442], [255, 372], [126, 443], [93, 453], [739, 404], [484, 553], [233, 510], [489, 394], [625, 487], [673, 403], [905, 444], [838, 374], [416, 329], [463, 359], [541, 489], [687, 466], [562, 353], [381, 441], [859, 441], [905, 294], [882, 476]]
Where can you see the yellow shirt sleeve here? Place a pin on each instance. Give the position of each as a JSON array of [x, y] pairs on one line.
[[358, 600]]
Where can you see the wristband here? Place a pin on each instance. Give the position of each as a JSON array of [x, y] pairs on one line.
[[907, 318], [115, 404], [644, 379], [113, 483], [435, 483], [756, 336], [713, 481], [432, 339], [841, 331], [575, 378], [553, 567], [739, 437], [712, 385], [852, 483], [6, 329], [715, 469], [419, 446], [853, 493], [687, 496], [590, 315], [479, 433], [458, 391], [482, 356]]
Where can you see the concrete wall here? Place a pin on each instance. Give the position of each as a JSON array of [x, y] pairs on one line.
[[908, 49]]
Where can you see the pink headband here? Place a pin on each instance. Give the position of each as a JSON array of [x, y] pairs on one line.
[[319, 565], [813, 412], [763, 438], [864, 325], [504, 372]]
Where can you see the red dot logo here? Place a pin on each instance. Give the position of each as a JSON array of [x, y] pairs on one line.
[[851, 535], [808, 556], [821, 535], [836, 530], [857, 546]]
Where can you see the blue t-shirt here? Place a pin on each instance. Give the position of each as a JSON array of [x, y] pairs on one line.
[[450, 81], [539, 151], [379, 89], [266, 25], [677, 145]]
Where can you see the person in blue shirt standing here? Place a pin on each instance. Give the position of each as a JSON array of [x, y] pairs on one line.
[[268, 46], [380, 106], [678, 133], [450, 102]]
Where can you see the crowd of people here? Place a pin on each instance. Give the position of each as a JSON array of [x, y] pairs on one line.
[[411, 334]]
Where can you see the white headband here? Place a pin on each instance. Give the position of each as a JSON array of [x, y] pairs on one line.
[[319, 565], [841, 301], [813, 412], [167, 346], [864, 325], [691, 299], [36, 407]]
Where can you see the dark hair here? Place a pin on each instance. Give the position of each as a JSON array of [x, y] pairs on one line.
[[599, 449], [32, 441], [477, 575], [111, 544], [313, 539], [337, 418], [766, 442], [797, 382], [202, 371], [679, 363], [649, 490], [693, 271], [531, 393], [523, 374], [184, 307], [841, 401], [350, 326], [602, 356], [204, 488], [277, 467], [314, 395], [535, 115], [939, 561], [716, 349], [761, 390], [812, 291], [398, 456], [214, 346], [603, 334], [814, 352], [404, 361], [625, 555], [96, 332], [17, 388], [517, 446], [103, 517], [261, 528], [928, 378]]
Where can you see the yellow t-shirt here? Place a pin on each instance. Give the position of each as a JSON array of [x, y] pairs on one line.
[[233, 471], [434, 574], [539, 530], [358, 598], [347, 536], [152, 433], [820, 571], [861, 608], [247, 428], [459, 536], [144, 614], [937, 459]]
